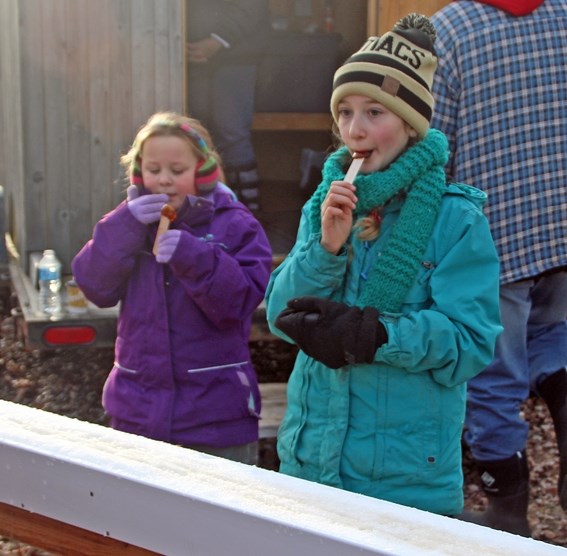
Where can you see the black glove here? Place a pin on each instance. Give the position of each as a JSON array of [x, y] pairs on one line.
[[333, 333]]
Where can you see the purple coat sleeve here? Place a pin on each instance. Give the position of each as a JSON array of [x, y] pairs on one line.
[[226, 280], [103, 266]]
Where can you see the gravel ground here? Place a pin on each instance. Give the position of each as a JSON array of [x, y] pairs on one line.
[[69, 382]]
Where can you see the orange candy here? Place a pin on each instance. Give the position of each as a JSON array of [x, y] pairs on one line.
[[169, 212]]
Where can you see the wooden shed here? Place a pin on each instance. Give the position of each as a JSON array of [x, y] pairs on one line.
[[79, 77], [77, 80]]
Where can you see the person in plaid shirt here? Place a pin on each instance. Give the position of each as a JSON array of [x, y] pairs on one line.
[[501, 100]]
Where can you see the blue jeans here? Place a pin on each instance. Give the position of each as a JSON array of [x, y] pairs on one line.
[[532, 346]]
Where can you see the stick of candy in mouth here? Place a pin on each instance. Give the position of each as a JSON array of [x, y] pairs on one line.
[[357, 160], [168, 215]]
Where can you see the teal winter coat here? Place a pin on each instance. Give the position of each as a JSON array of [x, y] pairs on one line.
[[391, 429]]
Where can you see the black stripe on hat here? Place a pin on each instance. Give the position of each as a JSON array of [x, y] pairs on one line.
[[381, 60], [376, 79]]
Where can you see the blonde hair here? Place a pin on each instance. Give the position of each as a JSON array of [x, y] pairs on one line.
[[169, 124], [368, 228]]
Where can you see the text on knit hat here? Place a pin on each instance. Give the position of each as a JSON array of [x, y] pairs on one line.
[[396, 70]]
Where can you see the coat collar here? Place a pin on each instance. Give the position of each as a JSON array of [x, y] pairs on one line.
[[198, 210], [514, 7]]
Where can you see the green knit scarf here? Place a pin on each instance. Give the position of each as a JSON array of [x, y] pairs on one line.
[[419, 173]]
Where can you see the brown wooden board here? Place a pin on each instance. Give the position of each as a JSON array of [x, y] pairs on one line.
[[60, 538]]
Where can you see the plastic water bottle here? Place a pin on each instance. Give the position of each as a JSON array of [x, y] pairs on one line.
[[49, 270]]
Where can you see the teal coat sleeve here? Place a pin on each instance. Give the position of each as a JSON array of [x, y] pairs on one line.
[[307, 270], [452, 335]]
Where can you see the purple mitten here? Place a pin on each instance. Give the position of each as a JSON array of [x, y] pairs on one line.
[[167, 245], [132, 192], [147, 208]]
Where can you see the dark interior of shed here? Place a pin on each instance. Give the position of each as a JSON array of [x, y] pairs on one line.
[[292, 125]]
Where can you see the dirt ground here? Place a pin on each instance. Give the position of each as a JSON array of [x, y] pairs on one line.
[[69, 382]]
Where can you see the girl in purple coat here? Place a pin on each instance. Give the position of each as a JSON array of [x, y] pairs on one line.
[[182, 370]]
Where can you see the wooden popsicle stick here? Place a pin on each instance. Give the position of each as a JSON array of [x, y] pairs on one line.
[[168, 215], [353, 169], [162, 227]]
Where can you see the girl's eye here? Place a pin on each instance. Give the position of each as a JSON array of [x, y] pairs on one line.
[[344, 112], [178, 171], [153, 170], [374, 112]]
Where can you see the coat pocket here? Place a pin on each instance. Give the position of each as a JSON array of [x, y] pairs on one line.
[[290, 433], [224, 392], [412, 440], [420, 292], [124, 396]]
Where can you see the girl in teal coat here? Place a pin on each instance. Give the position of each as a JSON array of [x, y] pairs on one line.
[[390, 292]]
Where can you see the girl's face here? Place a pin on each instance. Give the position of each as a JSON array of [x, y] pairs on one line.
[[367, 125], [168, 166]]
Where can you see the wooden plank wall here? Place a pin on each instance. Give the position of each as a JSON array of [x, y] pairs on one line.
[[91, 74], [77, 79], [11, 154]]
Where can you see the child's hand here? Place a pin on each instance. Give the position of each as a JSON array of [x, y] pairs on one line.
[[167, 245], [202, 51], [336, 215], [147, 208], [333, 333]]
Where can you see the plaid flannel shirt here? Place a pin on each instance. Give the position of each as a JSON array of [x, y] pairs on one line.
[[501, 98]]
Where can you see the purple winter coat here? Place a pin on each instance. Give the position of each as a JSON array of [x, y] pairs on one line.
[[182, 370]]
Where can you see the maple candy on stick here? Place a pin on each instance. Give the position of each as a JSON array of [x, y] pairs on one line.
[[168, 215], [357, 160]]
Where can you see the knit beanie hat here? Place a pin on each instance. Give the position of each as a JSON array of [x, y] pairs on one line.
[[396, 70]]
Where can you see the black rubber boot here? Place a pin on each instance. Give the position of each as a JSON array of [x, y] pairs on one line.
[[553, 390], [506, 485], [245, 182]]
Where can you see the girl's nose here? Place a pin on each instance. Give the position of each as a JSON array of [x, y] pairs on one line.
[[165, 178], [356, 128]]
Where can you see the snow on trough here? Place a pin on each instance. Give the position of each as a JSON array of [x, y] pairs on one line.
[[177, 501]]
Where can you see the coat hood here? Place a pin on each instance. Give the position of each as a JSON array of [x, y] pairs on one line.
[[514, 7]]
